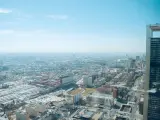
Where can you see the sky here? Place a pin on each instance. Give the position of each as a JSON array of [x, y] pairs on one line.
[[76, 25]]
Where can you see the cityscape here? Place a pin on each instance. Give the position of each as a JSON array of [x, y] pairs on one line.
[[72, 87], [79, 60]]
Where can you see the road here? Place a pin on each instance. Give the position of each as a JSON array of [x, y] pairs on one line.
[[137, 92]]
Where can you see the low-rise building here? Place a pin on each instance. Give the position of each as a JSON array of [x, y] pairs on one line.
[[98, 116], [103, 99], [125, 110], [35, 109], [22, 115], [85, 114], [75, 95]]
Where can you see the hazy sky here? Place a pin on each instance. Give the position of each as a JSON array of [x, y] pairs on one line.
[[76, 25]]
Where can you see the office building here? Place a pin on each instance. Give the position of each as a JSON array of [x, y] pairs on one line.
[[151, 109], [141, 104], [132, 63]]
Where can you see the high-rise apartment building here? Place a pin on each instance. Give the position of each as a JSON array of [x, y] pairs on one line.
[[152, 99]]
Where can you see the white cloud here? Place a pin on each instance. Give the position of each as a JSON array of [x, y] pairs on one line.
[[58, 17], [23, 17], [2, 10], [6, 31]]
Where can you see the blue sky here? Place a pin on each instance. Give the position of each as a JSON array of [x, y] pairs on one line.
[[76, 25]]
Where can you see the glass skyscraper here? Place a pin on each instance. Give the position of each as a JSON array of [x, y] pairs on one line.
[[152, 83]]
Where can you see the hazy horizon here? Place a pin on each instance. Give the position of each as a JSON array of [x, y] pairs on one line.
[[72, 53]]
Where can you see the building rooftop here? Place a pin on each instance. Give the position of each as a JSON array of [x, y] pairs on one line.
[[118, 76], [88, 91], [64, 76], [46, 99], [126, 108], [120, 118], [18, 92], [97, 116], [141, 99], [155, 27], [87, 114], [100, 95], [76, 91]]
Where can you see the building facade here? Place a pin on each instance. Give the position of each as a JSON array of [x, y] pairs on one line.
[[115, 92], [88, 81], [22, 116], [137, 58], [76, 95], [141, 104], [152, 99]]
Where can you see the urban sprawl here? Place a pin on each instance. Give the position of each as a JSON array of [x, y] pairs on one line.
[[71, 87]]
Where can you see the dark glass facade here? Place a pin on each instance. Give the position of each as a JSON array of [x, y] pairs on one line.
[[154, 98], [141, 108]]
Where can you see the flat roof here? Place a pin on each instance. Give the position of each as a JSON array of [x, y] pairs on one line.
[[46, 99], [87, 114], [88, 91], [141, 99], [97, 115], [76, 91], [64, 76], [120, 118], [155, 27], [126, 108], [101, 95]]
